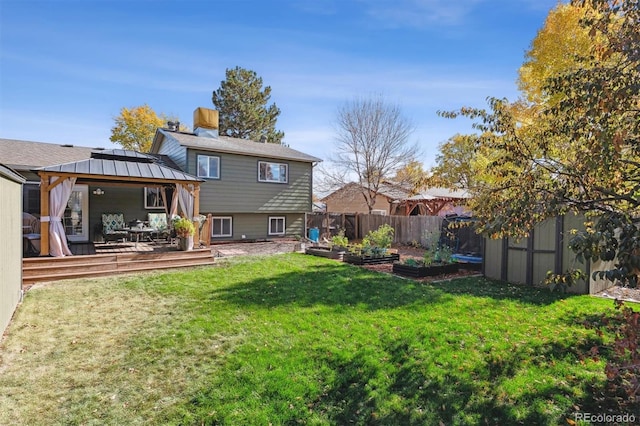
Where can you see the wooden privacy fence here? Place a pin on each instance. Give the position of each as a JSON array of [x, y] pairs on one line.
[[408, 229]]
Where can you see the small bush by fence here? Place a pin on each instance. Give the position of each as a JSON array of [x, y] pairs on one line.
[[408, 229]]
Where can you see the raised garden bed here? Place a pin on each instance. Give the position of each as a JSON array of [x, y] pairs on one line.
[[325, 252], [416, 271], [355, 259]]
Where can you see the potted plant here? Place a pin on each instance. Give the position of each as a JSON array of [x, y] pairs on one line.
[[185, 230]]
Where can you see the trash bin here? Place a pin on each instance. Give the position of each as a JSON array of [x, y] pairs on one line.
[[314, 234]]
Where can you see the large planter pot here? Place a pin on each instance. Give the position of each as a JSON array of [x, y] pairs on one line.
[[325, 252], [425, 271], [185, 243], [355, 259]]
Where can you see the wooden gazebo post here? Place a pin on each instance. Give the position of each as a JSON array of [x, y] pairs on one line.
[[45, 218]]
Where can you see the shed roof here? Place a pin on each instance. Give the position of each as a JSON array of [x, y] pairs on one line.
[[237, 146], [11, 174]]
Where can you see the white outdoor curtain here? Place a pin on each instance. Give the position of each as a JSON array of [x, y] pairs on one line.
[[58, 198], [174, 203], [186, 199]]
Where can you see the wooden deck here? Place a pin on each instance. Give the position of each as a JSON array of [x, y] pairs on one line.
[[121, 247], [95, 260]]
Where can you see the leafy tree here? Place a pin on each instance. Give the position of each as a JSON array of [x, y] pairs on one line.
[[242, 105], [454, 162], [558, 48], [412, 175], [372, 145], [135, 128], [580, 153]]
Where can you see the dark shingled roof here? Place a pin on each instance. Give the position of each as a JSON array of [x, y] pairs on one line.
[[239, 146], [26, 155]]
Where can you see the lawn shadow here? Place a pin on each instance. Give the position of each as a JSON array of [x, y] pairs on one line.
[[433, 394], [501, 290], [331, 284], [339, 284]]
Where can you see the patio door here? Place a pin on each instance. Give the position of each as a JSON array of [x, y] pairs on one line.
[[76, 215]]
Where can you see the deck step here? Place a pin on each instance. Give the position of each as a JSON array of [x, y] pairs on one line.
[[53, 269]]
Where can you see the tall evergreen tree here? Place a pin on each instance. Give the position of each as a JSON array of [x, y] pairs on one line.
[[242, 105]]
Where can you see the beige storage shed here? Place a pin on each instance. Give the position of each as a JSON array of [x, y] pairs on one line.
[[11, 247]]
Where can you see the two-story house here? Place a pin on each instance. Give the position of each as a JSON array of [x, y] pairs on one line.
[[253, 190]]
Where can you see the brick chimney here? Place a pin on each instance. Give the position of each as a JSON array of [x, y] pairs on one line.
[[205, 122]]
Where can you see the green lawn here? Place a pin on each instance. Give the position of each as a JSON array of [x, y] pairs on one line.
[[296, 339]]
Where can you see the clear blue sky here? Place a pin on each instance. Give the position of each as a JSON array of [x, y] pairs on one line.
[[67, 67]]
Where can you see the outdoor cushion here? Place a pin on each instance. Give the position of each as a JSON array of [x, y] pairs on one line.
[[111, 222], [158, 221]]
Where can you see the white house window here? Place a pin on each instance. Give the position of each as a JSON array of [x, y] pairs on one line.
[[272, 172], [276, 225], [153, 198], [208, 167], [222, 226]]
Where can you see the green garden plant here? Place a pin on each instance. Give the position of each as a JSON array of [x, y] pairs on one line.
[[381, 237], [184, 227], [339, 240]]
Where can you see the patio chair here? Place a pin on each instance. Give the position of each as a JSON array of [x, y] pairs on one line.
[[158, 221], [30, 235], [113, 225]]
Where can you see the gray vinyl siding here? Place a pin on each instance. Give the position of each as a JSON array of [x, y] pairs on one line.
[[178, 153], [256, 226], [239, 191]]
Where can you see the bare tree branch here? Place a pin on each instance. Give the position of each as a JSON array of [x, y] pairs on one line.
[[372, 144]]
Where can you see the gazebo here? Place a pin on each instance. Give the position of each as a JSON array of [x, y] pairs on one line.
[[430, 202], [114, 168]]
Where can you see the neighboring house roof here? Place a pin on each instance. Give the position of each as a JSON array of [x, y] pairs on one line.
[[26, 155], [234, 146], [393, 191], [389, 190], [122, 164], [435, 193], [319, 207]]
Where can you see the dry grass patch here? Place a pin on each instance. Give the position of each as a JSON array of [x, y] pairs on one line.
[[97, 349]]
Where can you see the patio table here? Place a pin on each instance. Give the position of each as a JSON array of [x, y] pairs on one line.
[[137, 231]]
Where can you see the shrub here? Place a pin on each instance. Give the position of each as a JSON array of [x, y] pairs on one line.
[[381, 237], [623, 365], [339, 240]]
